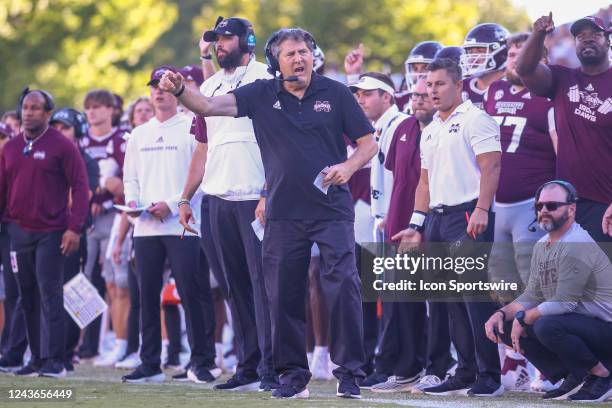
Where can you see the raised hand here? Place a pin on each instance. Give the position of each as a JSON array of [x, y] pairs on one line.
[[171, 82], [544, 24], [353, 62]]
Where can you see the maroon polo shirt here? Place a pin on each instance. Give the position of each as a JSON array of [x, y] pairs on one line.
[[34, 189]]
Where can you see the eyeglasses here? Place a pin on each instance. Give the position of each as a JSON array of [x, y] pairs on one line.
[[28, 148], [415, 96], [550, 205]]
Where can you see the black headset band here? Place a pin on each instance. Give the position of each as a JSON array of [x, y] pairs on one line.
[[572, 194]]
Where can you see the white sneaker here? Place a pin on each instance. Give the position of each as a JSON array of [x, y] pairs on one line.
[[320, 364], [396, 384], [111, 358], [129, 363], [426, 382], [541, 384], [164, 352], [517, 379]]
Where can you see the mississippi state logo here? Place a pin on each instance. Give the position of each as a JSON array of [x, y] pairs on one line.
[[499, 94], [589, 102], [322, 106]]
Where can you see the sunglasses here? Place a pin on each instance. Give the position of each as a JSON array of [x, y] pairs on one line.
[[415, 96], [550, 205], [28, 148]]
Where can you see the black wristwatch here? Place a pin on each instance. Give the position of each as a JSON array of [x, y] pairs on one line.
[[520, 316], [417, 228]]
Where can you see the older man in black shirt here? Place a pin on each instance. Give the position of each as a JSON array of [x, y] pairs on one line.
[[299, 119]]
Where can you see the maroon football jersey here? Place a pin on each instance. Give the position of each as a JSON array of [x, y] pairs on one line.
[[359, 183], [112, 146], [583, 114], [404, 160], [472, 93], [528, 156]]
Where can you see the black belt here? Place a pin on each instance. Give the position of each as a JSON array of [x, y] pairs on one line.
[[449, 209]]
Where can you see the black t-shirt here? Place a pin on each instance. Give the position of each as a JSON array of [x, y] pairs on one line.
[[297, 139]]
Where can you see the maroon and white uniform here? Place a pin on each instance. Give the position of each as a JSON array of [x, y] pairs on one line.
[[109, 152], [583, 113], [404, 160], [528, 157], [472, 93]]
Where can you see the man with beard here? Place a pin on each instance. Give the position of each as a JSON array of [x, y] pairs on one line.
[[528, 137], [582, 98], [563, 321], [227, 163]]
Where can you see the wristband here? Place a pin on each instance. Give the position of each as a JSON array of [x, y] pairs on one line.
[[206, 57], [418, 218], [180, 92], [482, 209], [417, 228], [183, 201]]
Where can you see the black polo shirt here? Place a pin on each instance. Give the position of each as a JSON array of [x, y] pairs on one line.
[[297, 139]]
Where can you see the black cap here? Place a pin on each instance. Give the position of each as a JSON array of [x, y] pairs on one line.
[[228, 26]]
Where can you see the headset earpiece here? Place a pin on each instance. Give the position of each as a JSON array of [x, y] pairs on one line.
[[271, 60]]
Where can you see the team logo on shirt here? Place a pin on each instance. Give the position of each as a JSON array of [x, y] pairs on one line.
[[39, 155], [589, 102], [454, 128], [499, 94], [160, 140], [403, 137], [277, 105], [508, 107], [322, 106]]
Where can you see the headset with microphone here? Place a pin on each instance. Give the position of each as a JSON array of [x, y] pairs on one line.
[[272, 60], [73, 117], [49, 104], [572, 197]]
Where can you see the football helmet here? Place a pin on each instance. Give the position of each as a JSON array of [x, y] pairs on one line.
[[422, 53], [492, 37]]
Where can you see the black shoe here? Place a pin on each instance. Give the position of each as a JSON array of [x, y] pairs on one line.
[[486, 387], [203, 375], [87, 354], [595, 389], [348, 388], [239, 383], [29, 370], [68, 365], [180, 377], [373, 379], [144, 375], [452, 386], [173, 363], [268, 383], [570, 386], [53, 369], [288, 391], [9, 366]]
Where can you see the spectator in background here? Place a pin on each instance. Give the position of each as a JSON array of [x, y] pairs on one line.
[[140, 111], [10, 118], [73, 125]]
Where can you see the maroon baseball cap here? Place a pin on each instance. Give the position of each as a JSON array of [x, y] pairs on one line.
[[158, 72], [593, 21], [193, 73], [5, 131]]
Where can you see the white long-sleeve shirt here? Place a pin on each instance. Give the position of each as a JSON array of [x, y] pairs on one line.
[[156, 168]]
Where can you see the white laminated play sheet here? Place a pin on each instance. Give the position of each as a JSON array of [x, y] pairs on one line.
[[82, 300]]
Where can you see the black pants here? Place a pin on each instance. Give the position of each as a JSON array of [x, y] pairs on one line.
[[371, 324], [40, 276], [589, 215], [239, 252], [72, 267], [402, 349], [562, 344], [476, 353], [134, 314], [286, 254], [439, 358], [91, 334], [14, 341], [207, 244], [183, 255]]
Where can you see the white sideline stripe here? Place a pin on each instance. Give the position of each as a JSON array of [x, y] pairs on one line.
[[467, 402]]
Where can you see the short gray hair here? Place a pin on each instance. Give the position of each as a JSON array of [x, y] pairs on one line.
[[296, 34]]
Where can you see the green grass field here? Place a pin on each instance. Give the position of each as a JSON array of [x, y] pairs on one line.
[[98, 387]]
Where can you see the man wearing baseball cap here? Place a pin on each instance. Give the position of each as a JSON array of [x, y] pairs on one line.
[[582, 100], [396, 368], [227, 165]]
